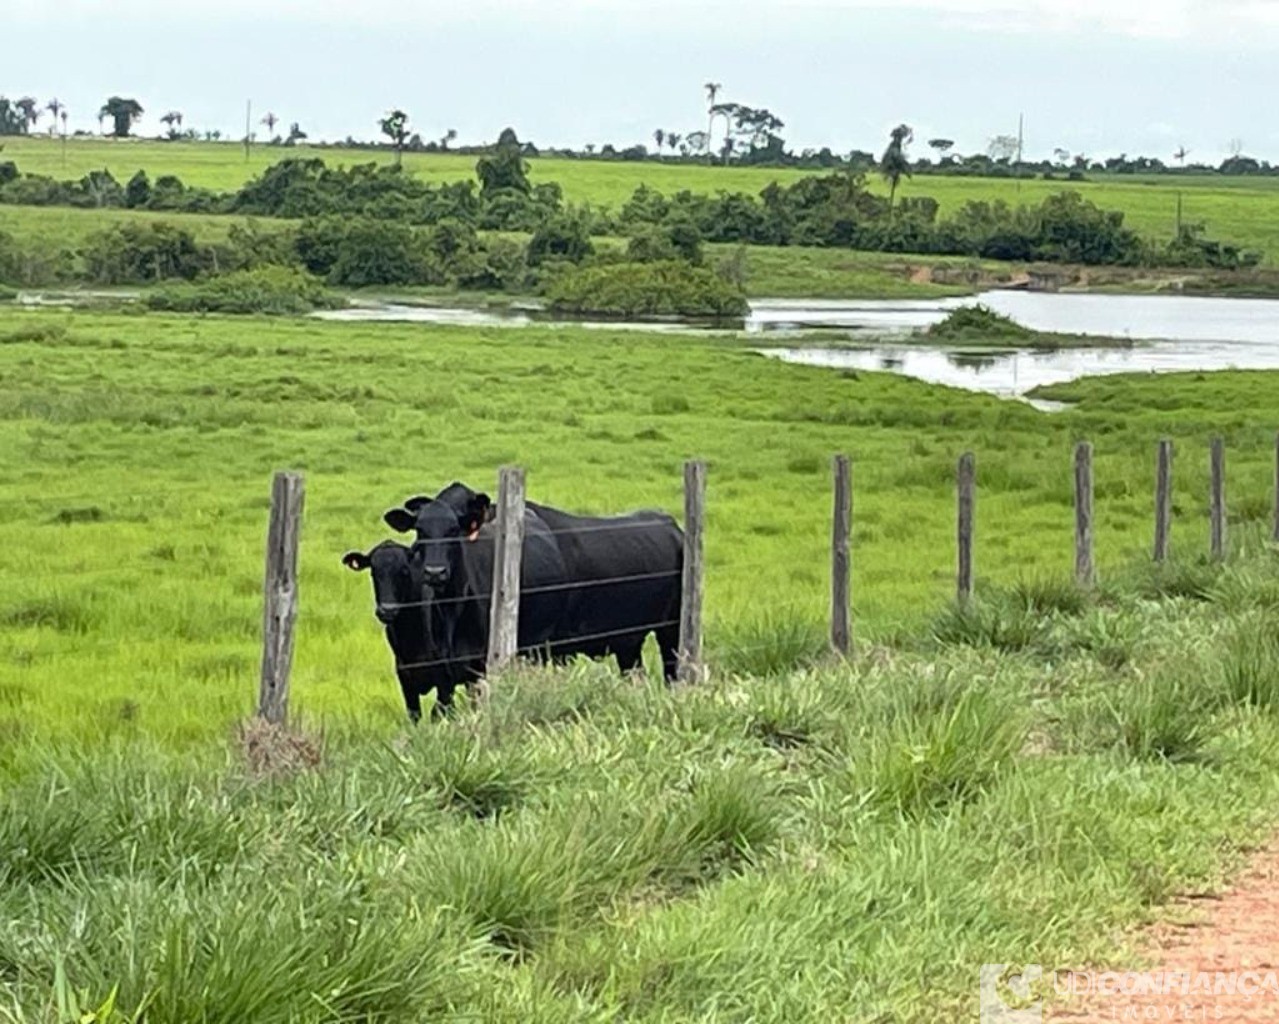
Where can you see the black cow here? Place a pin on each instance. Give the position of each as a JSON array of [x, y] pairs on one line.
[[622, 575], [400, 604], [455, 553]]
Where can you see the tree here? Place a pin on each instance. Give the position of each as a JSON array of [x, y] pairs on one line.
[[395, 126], [1062, 155], [173, 121], [30, 111], [1180, 155], [943, 146], [270, 120], [55, 107], [712, 91], [1003, 148], [124, 112], [504, 168], [659, 136], [449, 136], [296, 135], [697, 142], [895, 164], [673, 140]]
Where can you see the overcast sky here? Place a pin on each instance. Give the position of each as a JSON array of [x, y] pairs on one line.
[[1092, 76]]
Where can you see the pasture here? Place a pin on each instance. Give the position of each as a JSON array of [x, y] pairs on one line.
[[1244, 212], [796, 839]]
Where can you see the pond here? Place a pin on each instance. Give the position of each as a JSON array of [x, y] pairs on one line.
[[1163, 334]]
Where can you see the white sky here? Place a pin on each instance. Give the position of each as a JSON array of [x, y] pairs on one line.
[[1094, 76]]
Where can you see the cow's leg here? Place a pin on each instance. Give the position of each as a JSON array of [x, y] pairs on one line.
[[668, 644], [412, 700], [443, 701], [630, 657]]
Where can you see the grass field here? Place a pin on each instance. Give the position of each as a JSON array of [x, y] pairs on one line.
[[1020, 782], [1245, 212]]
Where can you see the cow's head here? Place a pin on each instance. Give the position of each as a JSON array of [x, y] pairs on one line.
[[397, 578], [442, 527]]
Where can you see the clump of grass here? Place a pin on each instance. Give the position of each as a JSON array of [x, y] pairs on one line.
[[944, 740], [733, 817], [1162, 715], [274, 751], [770, 645], [1192, 579], [469, 775], [988, 621], [58, 613], [1250, 666], [88, 514], [37, 332]]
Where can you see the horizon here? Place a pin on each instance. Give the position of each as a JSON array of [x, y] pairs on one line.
[[1191, 74]]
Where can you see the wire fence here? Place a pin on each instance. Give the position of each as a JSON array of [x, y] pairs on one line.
[[502, 603]]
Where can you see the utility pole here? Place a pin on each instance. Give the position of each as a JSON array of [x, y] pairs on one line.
[[1179, 215]]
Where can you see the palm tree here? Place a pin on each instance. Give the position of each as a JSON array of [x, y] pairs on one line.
[[54, 107], [270, 120], [449, 136], [173, 121], [1180, 155], [712, 91], [894, 164], [659, 136], [673, 140]]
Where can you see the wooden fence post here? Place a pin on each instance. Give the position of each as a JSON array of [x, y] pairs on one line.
[[1163, 501], [690, 620], [1218, 499], [967, 487], [508, 549], [1085, 572], [1276, 528], [841, 624], [280, 596]]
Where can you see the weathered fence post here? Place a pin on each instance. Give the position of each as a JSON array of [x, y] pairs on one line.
[[1085, 572], [1218, 501], [1163, 501], [1276, 529], [841, 624], [504, 603], [967, 487], [280, 596], [690, 620]]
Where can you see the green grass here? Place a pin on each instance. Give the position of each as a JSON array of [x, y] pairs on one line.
[[797, 839], [1245, 212]]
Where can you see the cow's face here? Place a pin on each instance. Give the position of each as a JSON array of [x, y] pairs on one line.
[[442, 528], [397, 578]]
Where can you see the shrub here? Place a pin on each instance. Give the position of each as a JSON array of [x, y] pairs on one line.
[[142, 253], [278, 291], [968, 322], [669, 288], [565, 236]]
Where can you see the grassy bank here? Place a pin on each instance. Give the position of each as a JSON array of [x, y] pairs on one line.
[[1244, 212], [846, 843]]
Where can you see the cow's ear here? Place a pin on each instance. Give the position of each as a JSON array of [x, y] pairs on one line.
[[400, 519], [413, 504], [479, 510], [356, 561]]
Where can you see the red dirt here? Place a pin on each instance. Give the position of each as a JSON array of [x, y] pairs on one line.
[[1236, 933]]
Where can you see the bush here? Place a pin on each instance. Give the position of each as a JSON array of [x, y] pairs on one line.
[[563, 237], [278, 291], [668, 288], [136, 253], [968, 322]]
